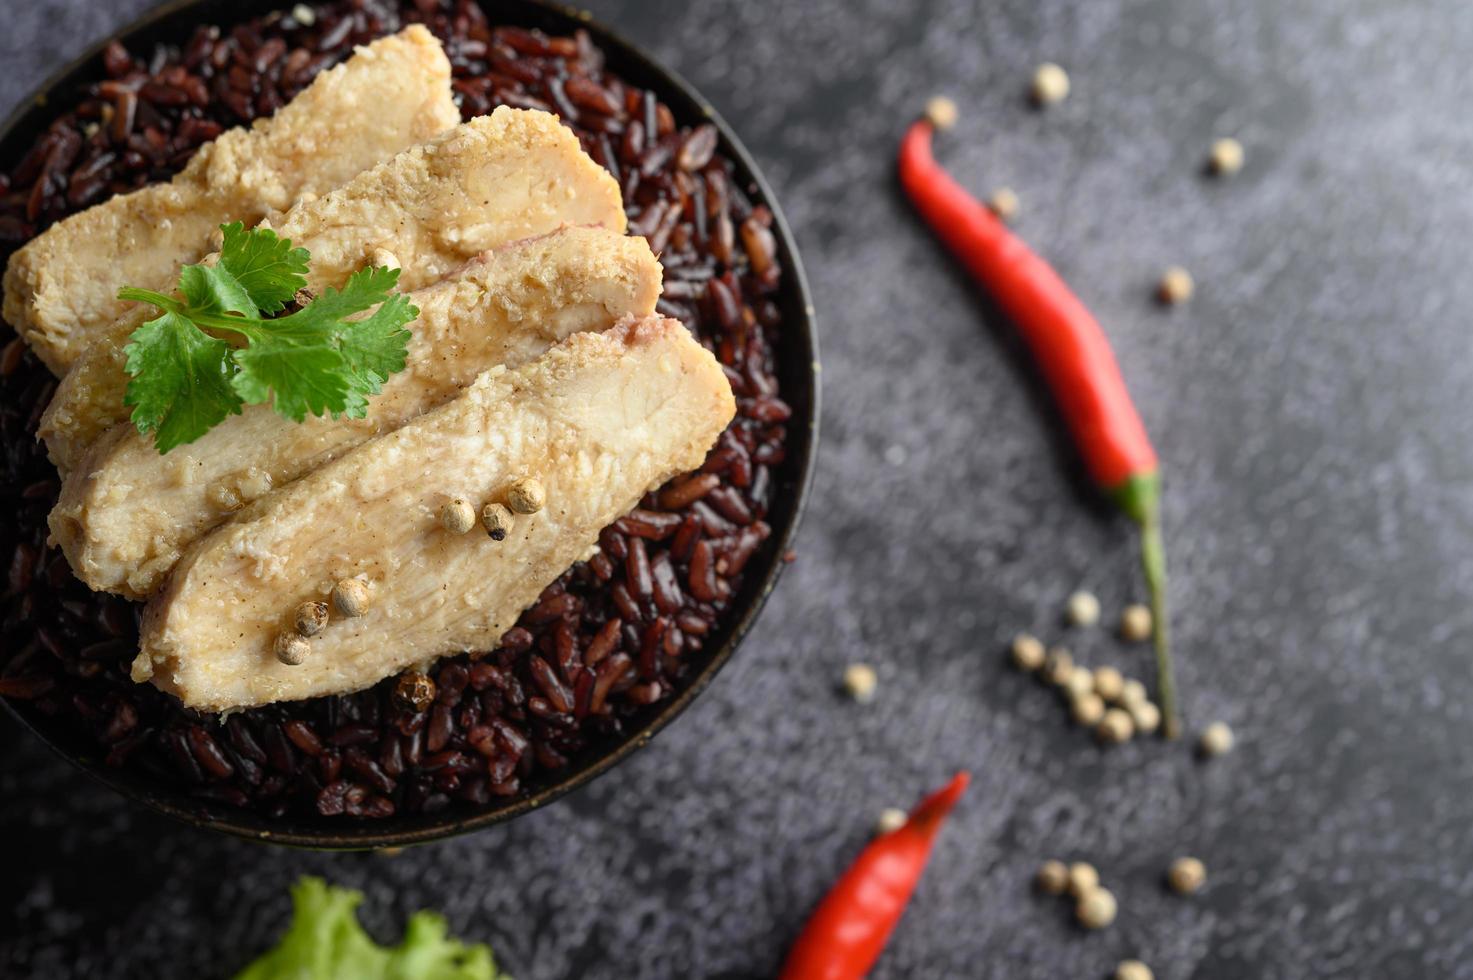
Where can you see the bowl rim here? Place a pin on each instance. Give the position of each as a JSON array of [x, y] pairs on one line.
[[799, 327]]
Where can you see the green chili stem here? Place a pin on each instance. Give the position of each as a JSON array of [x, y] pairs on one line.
[[1153, 562]]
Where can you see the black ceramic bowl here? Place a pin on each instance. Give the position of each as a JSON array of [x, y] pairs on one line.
[[797, 357]]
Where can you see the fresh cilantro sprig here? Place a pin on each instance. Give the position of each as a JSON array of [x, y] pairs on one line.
[[219, 347]]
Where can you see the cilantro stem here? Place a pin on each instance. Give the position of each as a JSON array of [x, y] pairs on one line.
[[234, 324]]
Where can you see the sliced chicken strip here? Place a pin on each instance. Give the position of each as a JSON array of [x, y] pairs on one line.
[[126, 514], [61, 288], [513, 174], [599, 420]]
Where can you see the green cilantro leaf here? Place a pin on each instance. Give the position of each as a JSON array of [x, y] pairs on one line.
[[186, 375], [188, 388]]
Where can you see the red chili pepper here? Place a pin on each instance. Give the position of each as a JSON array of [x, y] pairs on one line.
[[1075, 357], [849, 928]]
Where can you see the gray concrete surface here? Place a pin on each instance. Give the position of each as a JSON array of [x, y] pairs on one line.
[[1311, 408]]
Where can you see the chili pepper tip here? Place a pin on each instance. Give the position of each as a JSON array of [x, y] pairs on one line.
[[941, 112], [939, 803]]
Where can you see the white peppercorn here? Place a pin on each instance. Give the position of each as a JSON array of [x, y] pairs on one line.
[[1116, 727], [1176, 286], [1226, 157], [1096, 909], [1003, 203], [1053, 877], [1133, 970], [1027, 652], [1081, 680], [350, 597], [1058, 666], [497, 521], [860, 680], [457, 516], [1135, 623], [292, 648], [942, 112], [1132, 692], [1083, 879], [525, 496], [1145, 715], [1217, 739], [1108, 683], [311, 617], [1087, 709], [891, 819], [1050, 84], [1186, 875], [1083, 609]]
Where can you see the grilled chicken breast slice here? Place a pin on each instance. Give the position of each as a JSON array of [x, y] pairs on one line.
[[61, 288], [599, 420], [510, 175], [125, 514]]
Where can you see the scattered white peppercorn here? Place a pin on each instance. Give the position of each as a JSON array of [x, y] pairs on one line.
[[1186, 875], [942, 112], [1050, 84], [1133, 970], [1108, 683], [1135, 623], [525, 496], [1003, 203], [1132, 692], [1116, 727], [457, 516], [1052, 877], [1176, 286], [304, 15], [891, 819], [1087, 709], [1145, 715], [292, 648], [1082, 609], [1226, 157], [350, 597], [1081, 680], [1096, 909], [497, 521], [1058, 666], [1027, 652], [1217, 739], [860, 682], [311, 617], [1083, 879], [382, 258]]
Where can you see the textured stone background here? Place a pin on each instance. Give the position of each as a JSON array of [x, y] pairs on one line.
[[1311, 409]]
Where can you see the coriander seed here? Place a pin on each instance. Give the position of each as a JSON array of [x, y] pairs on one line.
[[350, 597], [311, 617], [1050, 84], [1058, 666], [1096, 909], [1052, 877], [1176, 286], [860, 681], [457, 516], [1116, 727], [1087, 709], [1217, 739], [891, 819], [1135, 623], [1083, 609], [1226, 157], [1004, 204], [525, 496], [1083, 879], [1186, 875], [292, 648], [414, 690], [1108, 683], [1027, 652], [1133, 970], [497, 521]]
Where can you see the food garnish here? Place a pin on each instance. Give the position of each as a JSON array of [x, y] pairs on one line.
[[1176, 286], [850, 927], [1217, 739], [1109, 683], [1082, 609], [1116, 727], [1052, 877], [457, 516], [497, 521], [221, 347], [1226, 157], [311, 617], [525, 496], [350, 597], [1027, 652], [1096, 908], [1083, 879], [1050, 84], [1133, 970], [326, 942], [861, 682], [1004, 203], [1135, 623], [292, 649], [1073, 352]]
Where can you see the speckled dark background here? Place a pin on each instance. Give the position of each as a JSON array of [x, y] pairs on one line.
[[1311, 406]]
